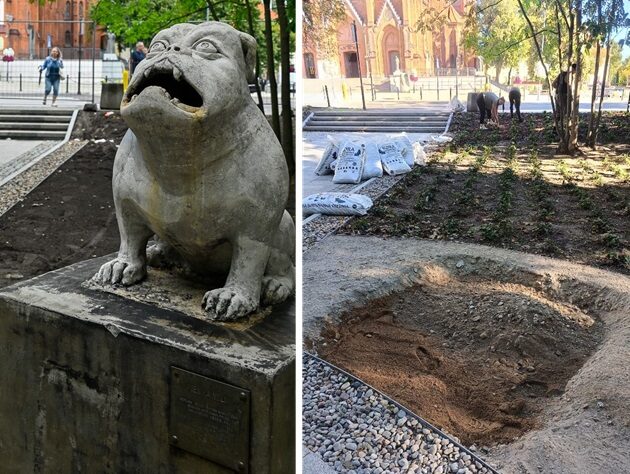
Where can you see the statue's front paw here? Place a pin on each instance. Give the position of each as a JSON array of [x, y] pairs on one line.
[[121, 271], [275, 290], [228, 304]]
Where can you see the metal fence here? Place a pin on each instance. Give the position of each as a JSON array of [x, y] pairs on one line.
[[82, 58]]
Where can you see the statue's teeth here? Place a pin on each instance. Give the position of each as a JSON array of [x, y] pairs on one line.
[[133, 97], [167, 94], [146, 72], [177, 74]]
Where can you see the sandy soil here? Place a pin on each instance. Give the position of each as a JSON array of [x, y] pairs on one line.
[[474, 354], [548, 366]]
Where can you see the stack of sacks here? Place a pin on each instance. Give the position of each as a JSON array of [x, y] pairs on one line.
[[355, 159]]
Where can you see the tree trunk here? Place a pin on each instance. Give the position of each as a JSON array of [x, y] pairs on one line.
[[542, 61], [285, 60], [250, 27], [590, 135], [601, 96], [574, 120], [213, 10], [497, 71], [271, 74]]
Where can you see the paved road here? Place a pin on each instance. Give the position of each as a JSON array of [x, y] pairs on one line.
[[36, 102]]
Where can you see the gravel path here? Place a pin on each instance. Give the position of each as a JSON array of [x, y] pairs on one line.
[[357, 430], [15, 190]]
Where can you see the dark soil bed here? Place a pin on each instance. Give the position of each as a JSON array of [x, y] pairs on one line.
[[70, 216], [537, 129], [520, 196], [476, 356]]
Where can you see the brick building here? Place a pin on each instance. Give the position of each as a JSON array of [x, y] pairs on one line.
[[27, 28], [388, 40]]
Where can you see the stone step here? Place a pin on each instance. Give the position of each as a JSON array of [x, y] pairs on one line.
[[379, 128], [379, 113], [35, 118], [15, 126], [379, 118], [359, 123], [36, 111], [33, 134]]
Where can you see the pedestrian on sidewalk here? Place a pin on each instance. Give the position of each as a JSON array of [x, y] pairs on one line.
[[488, 104], [53, 65], [515, 101], [136, 57]]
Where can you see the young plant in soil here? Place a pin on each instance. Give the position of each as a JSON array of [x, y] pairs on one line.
[[544, 204], [500, 229], [616, 254]]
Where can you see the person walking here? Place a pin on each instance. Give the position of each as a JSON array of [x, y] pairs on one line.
[[136, 56], [488, 104], [514, 97], [53, 65]]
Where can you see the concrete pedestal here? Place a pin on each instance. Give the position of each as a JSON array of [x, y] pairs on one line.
[[93, 382]]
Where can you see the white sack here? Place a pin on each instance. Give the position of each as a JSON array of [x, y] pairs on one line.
[[350, 163], [405, 147], [373, 168], [329, 155], [419, 155], [336, 204], [393, 161]]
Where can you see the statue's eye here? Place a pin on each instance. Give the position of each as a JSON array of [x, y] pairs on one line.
[[205, 46], [157, 47]]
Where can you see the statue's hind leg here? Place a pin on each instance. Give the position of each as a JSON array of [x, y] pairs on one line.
[[279, 280]]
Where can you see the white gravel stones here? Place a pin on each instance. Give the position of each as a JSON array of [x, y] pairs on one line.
[[15, 190], [366, 434]]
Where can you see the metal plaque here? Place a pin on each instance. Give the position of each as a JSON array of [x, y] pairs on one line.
[[210, 419]]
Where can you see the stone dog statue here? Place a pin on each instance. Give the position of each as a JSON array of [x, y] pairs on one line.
[[201, 169]]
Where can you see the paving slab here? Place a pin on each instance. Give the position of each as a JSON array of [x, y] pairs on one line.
[[11, 149]]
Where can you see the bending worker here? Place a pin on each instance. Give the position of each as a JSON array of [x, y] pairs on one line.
[[515, 101], [488, 103]]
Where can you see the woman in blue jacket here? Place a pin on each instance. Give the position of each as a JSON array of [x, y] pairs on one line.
[[53, 65]]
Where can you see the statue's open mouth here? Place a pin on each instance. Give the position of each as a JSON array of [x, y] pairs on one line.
[[176, 89]]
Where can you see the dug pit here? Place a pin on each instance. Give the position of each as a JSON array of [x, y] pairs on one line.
[[479, 356]]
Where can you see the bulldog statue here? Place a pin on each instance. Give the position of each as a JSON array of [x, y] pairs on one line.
[[202, 171]]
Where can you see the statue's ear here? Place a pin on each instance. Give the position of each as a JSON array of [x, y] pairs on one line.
[[249, 53]]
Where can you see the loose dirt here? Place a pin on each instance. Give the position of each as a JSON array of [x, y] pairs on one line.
[[472, 355], [490, 380], [70, 216]]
